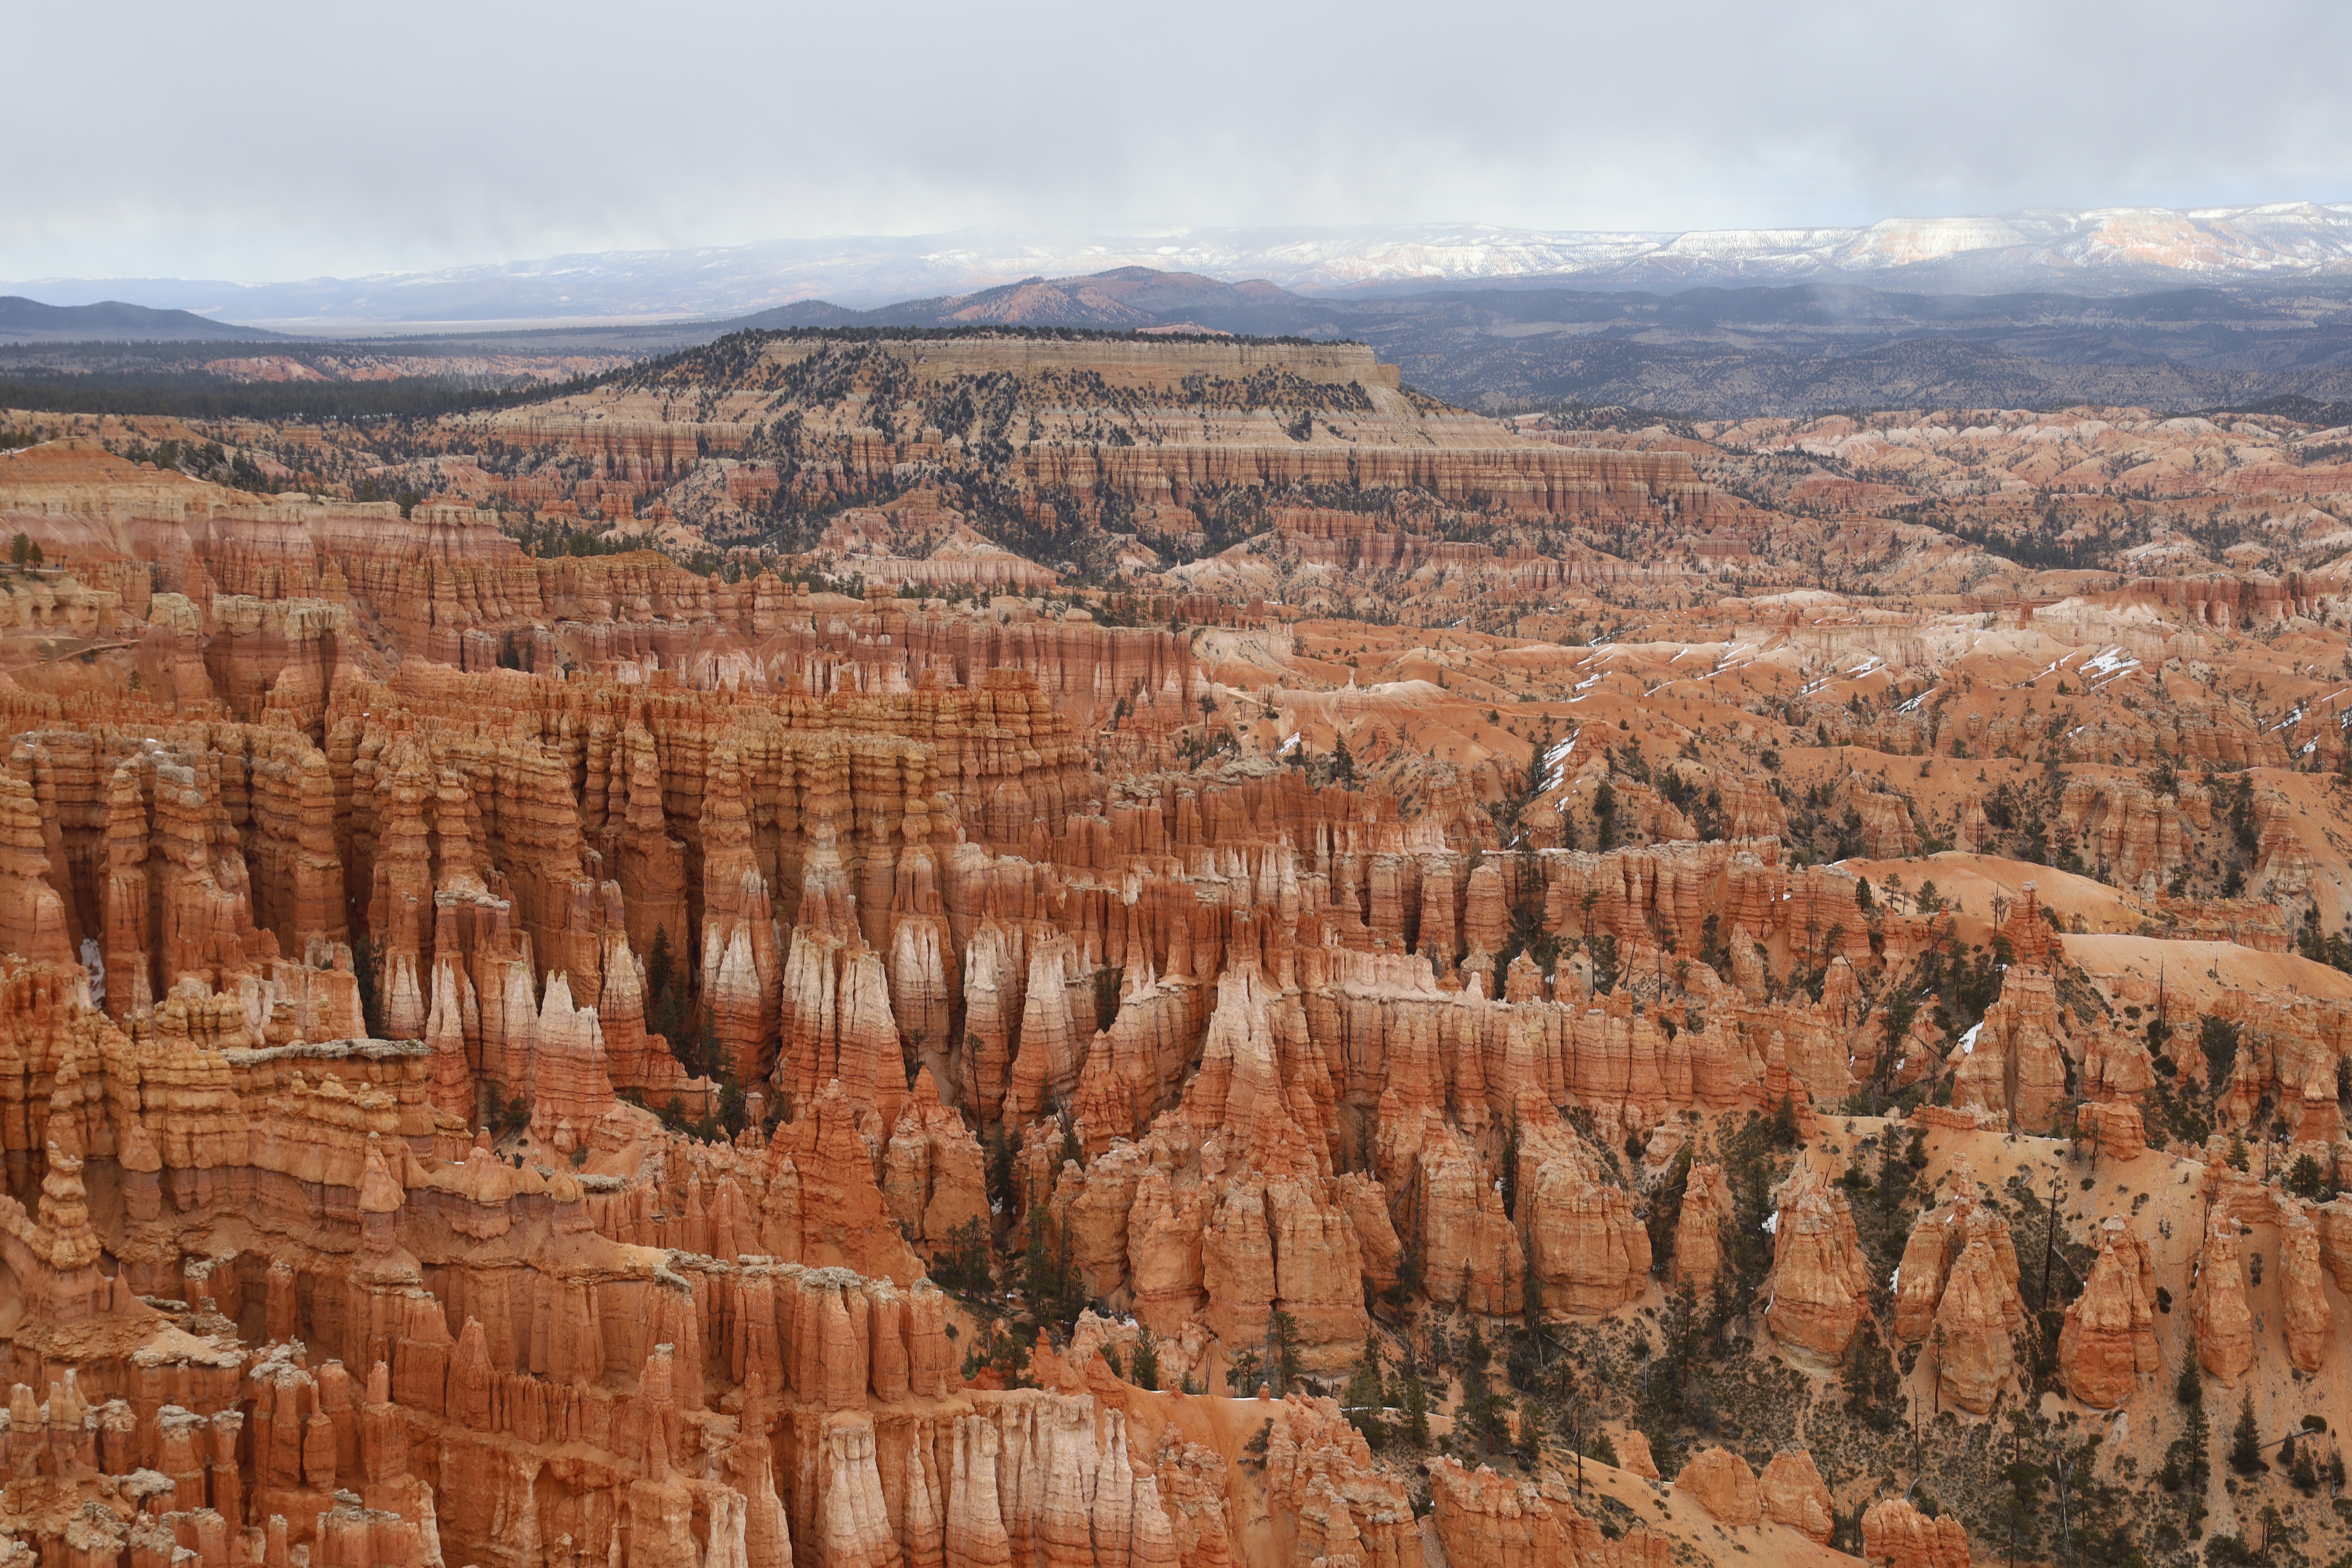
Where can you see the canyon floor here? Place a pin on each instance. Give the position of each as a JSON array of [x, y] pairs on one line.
[[970, 948]]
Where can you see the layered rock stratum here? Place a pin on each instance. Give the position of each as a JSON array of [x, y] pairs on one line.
[[1320, 981]]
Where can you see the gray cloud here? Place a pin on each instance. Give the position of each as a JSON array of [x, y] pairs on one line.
[[267, 141]]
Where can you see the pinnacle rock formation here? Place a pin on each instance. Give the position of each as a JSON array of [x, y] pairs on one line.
[[1482, 1518], [1820, 1280], [1938, 1243], [1892, 1531], [2109, 1338], [2225, 1323], [1974, 1324], [2309, 1320], [540, 1026], [1698, 1229]]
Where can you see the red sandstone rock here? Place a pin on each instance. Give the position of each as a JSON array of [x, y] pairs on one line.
[[2117, 1130], [1790, 1492], [1720, 1481], [2308, 1320], [859, 825], [1699, 1231], [2109, 1338], [934, 1182], [1894, 1532], [1481, 1518], [1586, 1250], [2225, 1324], [1820, 1280], [1974, 1320], [1937, 1245]]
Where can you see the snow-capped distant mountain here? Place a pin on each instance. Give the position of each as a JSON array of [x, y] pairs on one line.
[[2095, 250]]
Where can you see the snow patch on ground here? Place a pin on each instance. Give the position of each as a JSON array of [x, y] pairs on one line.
[[1556, 764]]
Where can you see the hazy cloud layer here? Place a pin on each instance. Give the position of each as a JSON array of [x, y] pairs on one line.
[[260, 141]]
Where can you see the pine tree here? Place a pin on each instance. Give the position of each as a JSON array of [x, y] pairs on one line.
[[1482, 1408], [1282, 1349], [658, 963], [1143, 1367], [670, 1017], [966, 1265], [1416, 1407], [1073, 1300], [2306, 1180], [1343, 762], [2302, 1472], [1000, 1167], [1872, 1388], [706, 1062], [1041, 1278], [1531, 1432], [2245, 1440], [1366, 1399], [367, 962], [2197, 1441]]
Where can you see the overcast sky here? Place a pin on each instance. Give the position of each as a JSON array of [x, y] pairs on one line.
[[255, 142]]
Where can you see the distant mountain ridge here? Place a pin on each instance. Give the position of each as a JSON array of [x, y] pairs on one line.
[[2096, 250], [1705, 351], [1722, 351], [1126, 298], [24, 321]]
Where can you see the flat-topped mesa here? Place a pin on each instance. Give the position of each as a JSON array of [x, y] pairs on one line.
[[267, 603], [1241, 413]]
